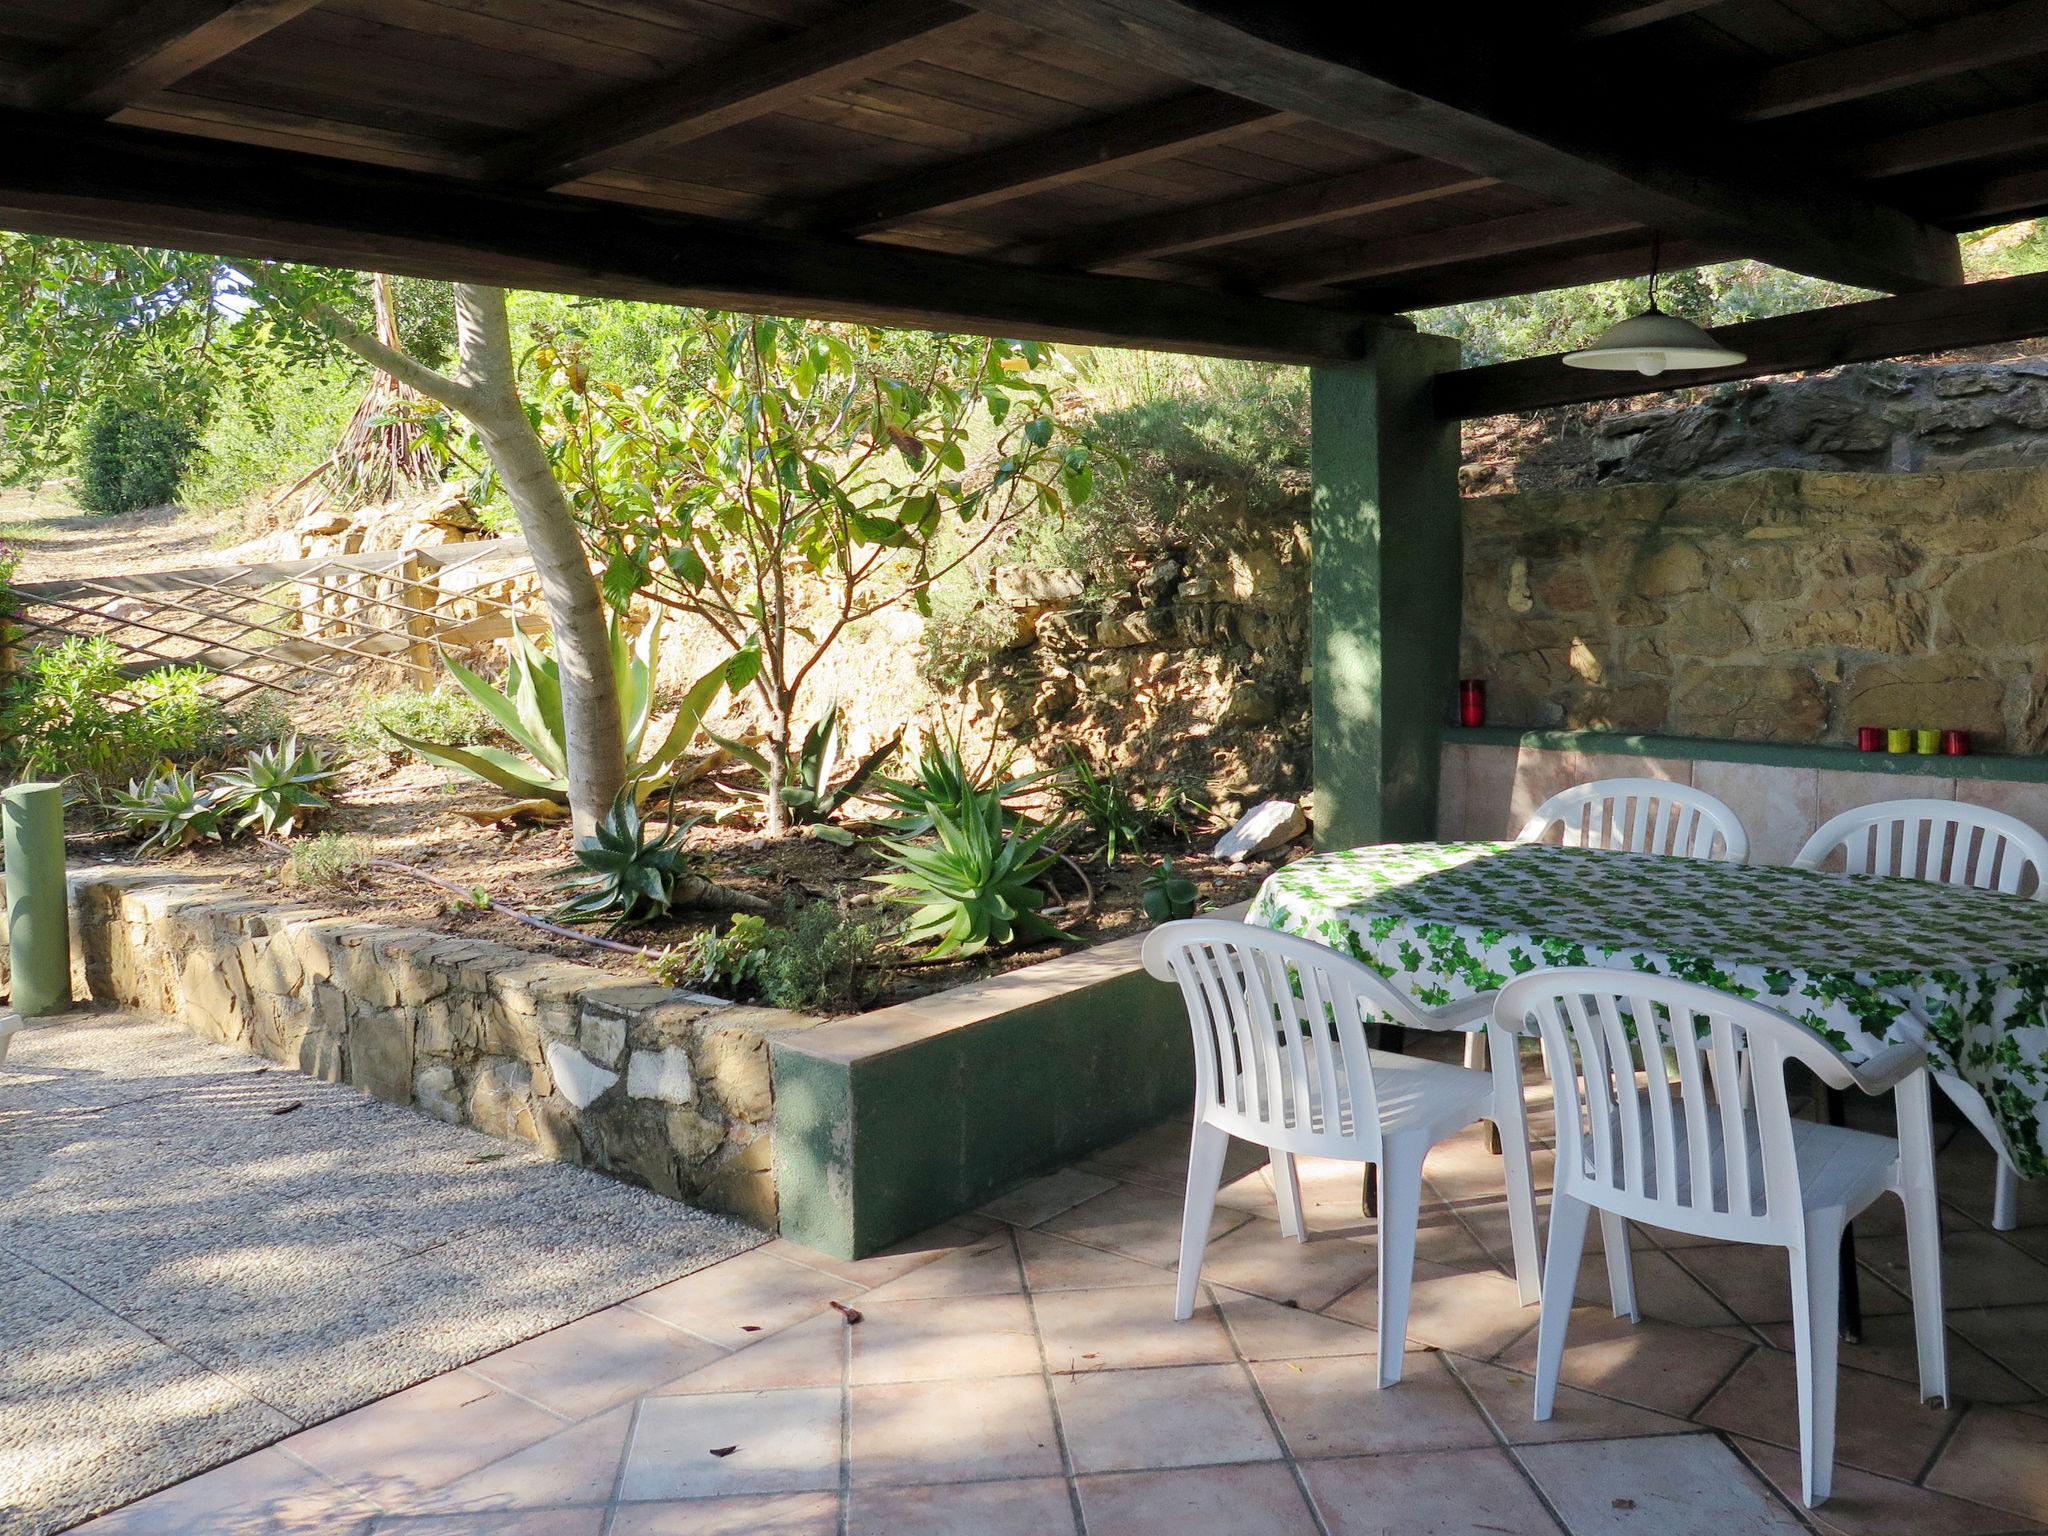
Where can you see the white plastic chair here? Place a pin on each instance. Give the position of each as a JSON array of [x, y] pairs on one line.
[[1641, 816], [1954, 844], [1642, 1135], [1281, 1061]]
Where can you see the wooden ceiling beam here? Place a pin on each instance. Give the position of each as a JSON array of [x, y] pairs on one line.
[[1950, 143], [1119, 142], [104, 181], [1369, 259], [1500, 115], [1974, 315], [1612, 17], [1593, 261], [724, 92], [152, 46], [1891, 63], [1257, 214]]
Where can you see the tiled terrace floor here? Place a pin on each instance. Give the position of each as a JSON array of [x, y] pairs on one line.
[[1017, 1373]]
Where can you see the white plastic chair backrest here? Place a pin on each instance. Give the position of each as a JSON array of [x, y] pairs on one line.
[[1934, 840], [1641, 816], [1634, 1062], [1279, 1031]]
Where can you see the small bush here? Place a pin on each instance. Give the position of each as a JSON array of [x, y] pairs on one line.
[[281, 424], [430, 714], [64, 717], [822, 961], [331, 859], [131, 456]]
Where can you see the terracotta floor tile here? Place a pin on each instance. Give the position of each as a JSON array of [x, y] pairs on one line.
[[1508, 1398], [1258, 1259], [586, 1366], [1999, 1458], [1863, 1504], [1160, 1155], [1042, 1199], [1979, 1269], [1653, 1365], [892, 1262], [2016, 1337], [944, 1338], [1431, 1493], [1255, 1499], [786, 1514], [1265, 1330], [1756, 1282], [811, 1354], [1055, 1264], [784, 1442], [1664, 1291], [1179, 1416], [422, 1438], [986, 1267], [1888, 1349], [543, 1520], [579, 1466], [1127, 1326], [1473, 1313], [1032, 1507], [1335, 1407], [1880, 1424], [265, 1492], [1668, 1485], [757, 1290], [1138, 1222], [953, 1431]]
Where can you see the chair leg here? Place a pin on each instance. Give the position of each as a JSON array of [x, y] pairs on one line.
[[1400, 1210], [1287, 1194], [1477, 1051], [2005, 1198], [1917, 1191], [1560, 1279], [1850, 1279], [1816, 1296], [1511, 1127], [1621, 1266], [1205, 1177]]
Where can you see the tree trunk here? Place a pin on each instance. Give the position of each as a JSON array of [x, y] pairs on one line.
[[593, 740], [779, 728]]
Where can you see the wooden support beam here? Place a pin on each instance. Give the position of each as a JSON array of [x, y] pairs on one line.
[[710, 97], [1441, 247], [1498, 116], [1891, 63], [1155, 131], [1257, 214], [1949, 143], [1975, 315], [1609, 17], [1592, 261], [102, 181], [150, 47]]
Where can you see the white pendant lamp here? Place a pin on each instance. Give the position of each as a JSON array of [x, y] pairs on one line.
[[1653, 342]]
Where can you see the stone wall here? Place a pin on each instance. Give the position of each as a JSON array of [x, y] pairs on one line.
[[664, 1088], [1780, 605]]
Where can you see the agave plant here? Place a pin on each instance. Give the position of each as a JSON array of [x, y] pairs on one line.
[[976, 885], [626, 873], [276, 786], [171, 809], [810, 795], [529, 710], [941, 783]]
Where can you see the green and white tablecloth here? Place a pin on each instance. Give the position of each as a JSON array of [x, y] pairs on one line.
[[1861, 959]]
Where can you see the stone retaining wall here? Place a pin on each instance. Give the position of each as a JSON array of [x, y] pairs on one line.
[[664, 1088]]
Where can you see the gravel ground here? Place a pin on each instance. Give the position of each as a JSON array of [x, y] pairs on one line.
[[200, 1253]]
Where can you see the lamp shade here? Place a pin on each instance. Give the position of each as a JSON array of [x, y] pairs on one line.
[[1653, 342]]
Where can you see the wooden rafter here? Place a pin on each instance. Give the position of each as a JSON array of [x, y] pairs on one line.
[[1118, 142], [1950, 143], [1591, 261], [1256, 214], [724, 92], [108, 182], [1976, 314], [1609, 17], [1403, 88], [150, 47], [1368, 259]]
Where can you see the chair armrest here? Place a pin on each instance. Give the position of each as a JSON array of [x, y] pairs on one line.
[[1889, 1067], [1467, 1015]]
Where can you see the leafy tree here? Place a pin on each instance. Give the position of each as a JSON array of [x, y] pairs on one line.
[[793, 461]]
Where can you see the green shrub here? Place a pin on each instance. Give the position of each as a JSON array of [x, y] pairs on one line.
[[64, 716], [822, 960], [281, 424], [432, 714], [131, 456], [330, 859]]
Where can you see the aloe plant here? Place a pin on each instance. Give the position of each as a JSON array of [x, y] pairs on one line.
[[811, 795], [276, 786], [624, 873], [976, 886], [940, 782], [169, 810], [529, 710]]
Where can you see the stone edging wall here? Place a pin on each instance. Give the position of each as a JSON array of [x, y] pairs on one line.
[[661, 1087]]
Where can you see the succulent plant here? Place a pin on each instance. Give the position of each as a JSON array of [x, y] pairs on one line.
[[1168, 896], [276, 786], [169, 810], [976, 886], [627, 873]]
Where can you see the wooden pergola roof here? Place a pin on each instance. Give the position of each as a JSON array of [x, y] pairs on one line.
[[1259, 178]]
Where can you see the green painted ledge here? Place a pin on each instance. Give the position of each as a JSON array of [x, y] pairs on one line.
[[890, 1121], [1776, 754]]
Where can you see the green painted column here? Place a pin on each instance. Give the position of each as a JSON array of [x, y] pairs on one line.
[[1385, 541], [38, 916]]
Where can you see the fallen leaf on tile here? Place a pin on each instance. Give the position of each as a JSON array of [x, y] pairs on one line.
[[285, 1109], [723, 1450], [847, 1312]]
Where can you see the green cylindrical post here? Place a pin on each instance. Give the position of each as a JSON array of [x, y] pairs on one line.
[[38, 915]]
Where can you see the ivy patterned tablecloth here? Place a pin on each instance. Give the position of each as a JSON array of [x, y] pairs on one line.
[[1860, 958]]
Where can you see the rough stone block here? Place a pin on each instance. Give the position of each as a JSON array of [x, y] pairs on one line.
[[501, 1099], [663, 1075], [380, 1058], [434, 1090], [577, 1078]]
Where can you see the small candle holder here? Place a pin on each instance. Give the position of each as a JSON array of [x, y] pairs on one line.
[[1955, 743], [1898, 741], [1472, 701], [1869, 738], [1927, 743]]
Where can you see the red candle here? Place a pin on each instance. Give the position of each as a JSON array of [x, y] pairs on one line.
[[1870, 738], [1472, 701], [1956, 743]]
